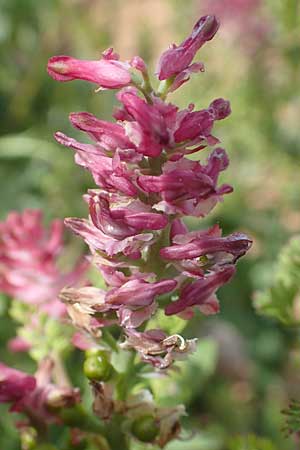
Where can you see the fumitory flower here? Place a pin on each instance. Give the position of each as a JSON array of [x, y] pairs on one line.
[[107, 73], [186, 187], [204, 250], [146, 183], [202, 293], [140, 245]]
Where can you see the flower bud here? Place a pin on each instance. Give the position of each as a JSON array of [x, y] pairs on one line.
[[107, 73], [97, 367], [145, 428]]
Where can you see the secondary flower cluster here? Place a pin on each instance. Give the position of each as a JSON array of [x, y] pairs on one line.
[[37, 395], [29, 269], [146, 186]]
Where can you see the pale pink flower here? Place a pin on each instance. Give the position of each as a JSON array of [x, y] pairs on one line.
[[107, 73], [28, 261]]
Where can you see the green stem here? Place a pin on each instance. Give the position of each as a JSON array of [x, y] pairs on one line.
[[126, 379], [154, 262], [77, 417], [109, 339], [117, 439], [164, 86]]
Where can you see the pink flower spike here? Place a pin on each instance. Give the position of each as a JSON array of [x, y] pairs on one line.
[[177, 59], [107, 73]]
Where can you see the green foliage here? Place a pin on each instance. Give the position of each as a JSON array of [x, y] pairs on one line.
[[45, 334], [250, 442], [292, 414], [282, 299], [171, 324], [176, 388]]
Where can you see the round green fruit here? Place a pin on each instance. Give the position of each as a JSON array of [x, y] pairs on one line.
[[145, 428], [94, 351], [97, 367]]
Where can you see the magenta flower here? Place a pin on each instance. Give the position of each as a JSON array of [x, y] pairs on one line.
[[132, 302], [97, 240], [201, 293], [217, 250], [220, 108], [120, 220], [147, 128], [110, 173], [110, 136], [138, 292], [14, 385], [186, 187], [35, 395], [198, 124], [107, 73], [177, 59]]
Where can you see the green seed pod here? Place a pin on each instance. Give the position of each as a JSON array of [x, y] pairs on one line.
[[98, 368], [145, 428]]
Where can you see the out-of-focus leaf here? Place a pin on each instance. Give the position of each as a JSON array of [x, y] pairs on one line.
[[250, 442], [282, 300]]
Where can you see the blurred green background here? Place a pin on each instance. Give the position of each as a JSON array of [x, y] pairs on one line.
[[247, 366]]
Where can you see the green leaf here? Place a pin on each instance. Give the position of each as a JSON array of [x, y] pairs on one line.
[[281, 300]]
